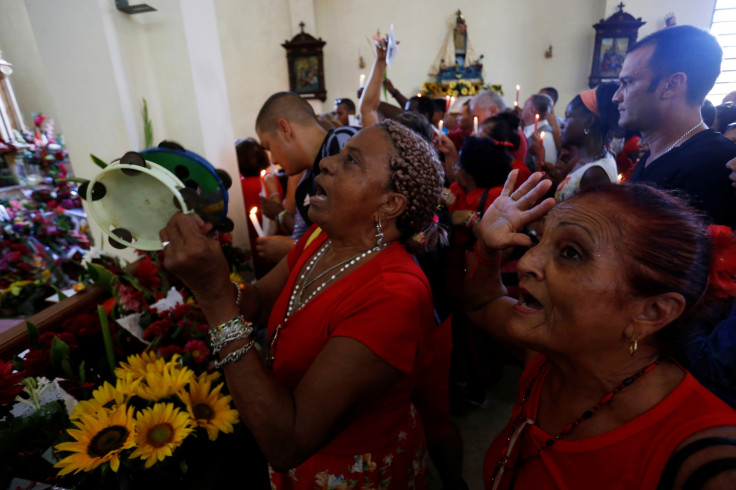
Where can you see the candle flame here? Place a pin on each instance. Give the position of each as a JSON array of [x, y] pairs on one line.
[[263, 173], [536, 116], [254, 210], [518, 87]]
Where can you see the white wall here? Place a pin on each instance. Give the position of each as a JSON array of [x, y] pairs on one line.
[[88, 66], [513, 36], [698, 13]]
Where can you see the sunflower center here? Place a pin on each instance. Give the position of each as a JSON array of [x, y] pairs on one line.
[[107, 440], [160, 434], [203, 411]]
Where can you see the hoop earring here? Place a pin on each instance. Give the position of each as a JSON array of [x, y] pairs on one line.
[[379, 233], [633, 347], [586, 131]]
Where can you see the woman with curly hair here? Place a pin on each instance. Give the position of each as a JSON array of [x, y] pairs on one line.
[[349, 315], [585, 160]]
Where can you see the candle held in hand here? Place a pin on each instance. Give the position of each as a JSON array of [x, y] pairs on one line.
[[254, 220]]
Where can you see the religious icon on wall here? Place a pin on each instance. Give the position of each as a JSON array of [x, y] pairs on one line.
[[613, 38], [304, 58], [613, 52], [306, 69]]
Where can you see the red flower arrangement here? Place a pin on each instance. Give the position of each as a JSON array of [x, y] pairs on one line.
[[722, 278]]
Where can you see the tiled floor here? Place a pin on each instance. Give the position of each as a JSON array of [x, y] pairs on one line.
[[480, 426]]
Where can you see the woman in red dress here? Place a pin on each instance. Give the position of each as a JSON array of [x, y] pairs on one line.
[[350, 320], [619, 276]]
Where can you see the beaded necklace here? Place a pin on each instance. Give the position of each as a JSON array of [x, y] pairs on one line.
[[520, 422], [305, 280]]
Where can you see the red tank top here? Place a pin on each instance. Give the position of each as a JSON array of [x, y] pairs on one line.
[[630, 456]]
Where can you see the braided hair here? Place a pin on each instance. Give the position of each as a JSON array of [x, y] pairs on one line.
[[417, 174]]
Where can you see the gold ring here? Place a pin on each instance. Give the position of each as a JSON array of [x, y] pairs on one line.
[[164, 243]]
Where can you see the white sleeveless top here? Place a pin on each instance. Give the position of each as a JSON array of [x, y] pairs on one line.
[[571, 184]]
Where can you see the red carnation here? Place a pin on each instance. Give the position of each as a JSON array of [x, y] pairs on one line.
[[198, 350], [158, 328], [9, 383], [148, 274], [722, 278], [36, 362], [169, 350]]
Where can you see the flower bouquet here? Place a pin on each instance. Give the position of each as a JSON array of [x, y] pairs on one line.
[[157, 413], [151, 412], [42, 247]]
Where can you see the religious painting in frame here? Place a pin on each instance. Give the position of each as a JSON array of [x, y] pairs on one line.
[[613, 39], [306, 71], [612, 53]]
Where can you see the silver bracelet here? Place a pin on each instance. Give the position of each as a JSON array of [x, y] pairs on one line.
[[235, 355], [221, 339]]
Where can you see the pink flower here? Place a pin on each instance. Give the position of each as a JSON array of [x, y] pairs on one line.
[[131, 299], [198, 349]]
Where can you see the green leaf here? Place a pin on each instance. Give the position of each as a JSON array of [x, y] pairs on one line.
[[98, 161], [105, 327], [101, 277], [60, 357], [78, 180], [33, 333], [61, 295]]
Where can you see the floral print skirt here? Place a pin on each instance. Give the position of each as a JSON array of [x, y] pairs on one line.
[[402, 466]]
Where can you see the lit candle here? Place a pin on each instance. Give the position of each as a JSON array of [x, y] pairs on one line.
[[475, 124], [254, 220], [620, 177], [540, 160], [536, 122], [447, 103], [419, 94], [263, 183], [516, 103], [442, 123], [452, 101], [362, 80]]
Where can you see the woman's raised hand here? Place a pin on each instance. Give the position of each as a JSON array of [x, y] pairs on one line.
[[502, 224], [381, 49]]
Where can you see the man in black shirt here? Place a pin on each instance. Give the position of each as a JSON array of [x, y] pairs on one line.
[[664, 80]]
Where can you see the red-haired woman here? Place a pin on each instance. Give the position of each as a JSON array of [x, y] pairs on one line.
[[616, 278]]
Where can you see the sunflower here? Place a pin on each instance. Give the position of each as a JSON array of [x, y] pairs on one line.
[[208, 407], [99, 438], [138, 365], [167, 381], [106, 397], [159, 430]]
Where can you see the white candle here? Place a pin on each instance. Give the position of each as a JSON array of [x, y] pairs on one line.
[[362, 80], [442, 123], [475, 124], [254, 220], [516, 102], [263, 183]]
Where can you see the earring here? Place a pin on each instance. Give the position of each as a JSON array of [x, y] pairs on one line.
[[379, 233], [586, 131], [633, 347]]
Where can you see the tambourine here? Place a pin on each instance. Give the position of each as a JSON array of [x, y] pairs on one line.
[[133, 199]]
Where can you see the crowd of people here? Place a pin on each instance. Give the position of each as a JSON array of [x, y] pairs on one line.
[[412, 259]]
